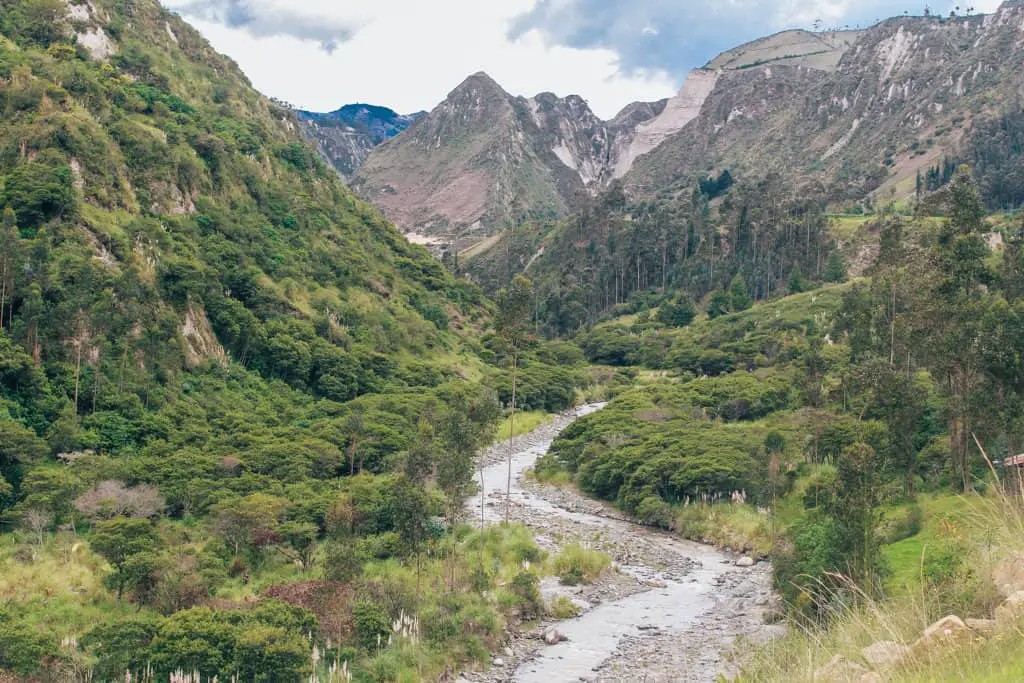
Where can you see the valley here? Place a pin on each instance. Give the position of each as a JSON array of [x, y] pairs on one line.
[[727, 386]]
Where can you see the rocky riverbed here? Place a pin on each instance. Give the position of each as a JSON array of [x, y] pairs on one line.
[[670, 610]]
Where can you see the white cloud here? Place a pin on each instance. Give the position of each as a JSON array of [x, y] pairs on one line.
[[408, 55]]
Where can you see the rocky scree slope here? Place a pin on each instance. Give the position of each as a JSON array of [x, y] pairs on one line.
[[901, 96]]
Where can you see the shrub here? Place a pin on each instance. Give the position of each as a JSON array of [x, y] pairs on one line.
[[526, 588], [576, 564], [371, 622], [654, 511], [563, 608]]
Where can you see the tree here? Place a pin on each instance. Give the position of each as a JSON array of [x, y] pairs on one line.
[[835, 268], [8, 260], [52, 490], [38, 192], [301, 540], [24, 649], [739, 296], [464, 429], [250, 522], [679, 312], [119, 540], [513, 326], [112, 498], [37, 521], [121, 645], [266, 654], [796, 281], [855, 511], [412, 506], [719, 304]]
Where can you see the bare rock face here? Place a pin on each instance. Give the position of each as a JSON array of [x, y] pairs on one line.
[[346, 137], [854, 112]]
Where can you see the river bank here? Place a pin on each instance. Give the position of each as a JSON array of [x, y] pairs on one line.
[[670, 610]]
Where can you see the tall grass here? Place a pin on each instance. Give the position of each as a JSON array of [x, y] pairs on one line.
[[740, 527], [991, 528]]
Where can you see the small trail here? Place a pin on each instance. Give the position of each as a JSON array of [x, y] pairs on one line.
[[670, 612]]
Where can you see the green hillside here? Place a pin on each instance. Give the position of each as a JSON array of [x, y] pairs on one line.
[[221, 375]]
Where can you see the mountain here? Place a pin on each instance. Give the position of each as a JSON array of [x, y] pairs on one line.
[[346, 136], [860, 112], [483, 160]]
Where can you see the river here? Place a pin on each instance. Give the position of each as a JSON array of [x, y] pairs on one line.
[[673, 610]]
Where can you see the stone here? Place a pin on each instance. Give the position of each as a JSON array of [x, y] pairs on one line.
[[1008, 575], [498, 661], [949, 628], [553, 636], [871, 677], [884, 653], [509, 652], [839, 670], [745, 562], [985, 626], [654, 583]]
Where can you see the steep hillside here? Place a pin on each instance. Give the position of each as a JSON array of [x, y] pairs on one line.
[[862, 115], [469, 167], [346, 136], [214, 362]]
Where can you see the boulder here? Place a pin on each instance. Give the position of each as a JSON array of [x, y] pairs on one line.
[[553, 636], [947, 629], [745, 562], [985, 626], [884, 653], [1009, 574], [840, 670]]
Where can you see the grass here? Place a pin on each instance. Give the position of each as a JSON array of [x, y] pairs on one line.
[[525, 422], [61, 589], [740, 527], [985, 528], [904, 557], [575, 564]]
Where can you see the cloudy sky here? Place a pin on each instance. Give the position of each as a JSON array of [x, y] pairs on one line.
[[408, 54]]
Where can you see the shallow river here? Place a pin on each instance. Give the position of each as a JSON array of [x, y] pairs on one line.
[[686, 595]]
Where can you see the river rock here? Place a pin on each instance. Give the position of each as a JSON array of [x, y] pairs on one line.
[[745, 562], [498, 661], [509, 652], [948, 629], [553, 636], [839, 670], [655, 583], [884, 653]]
